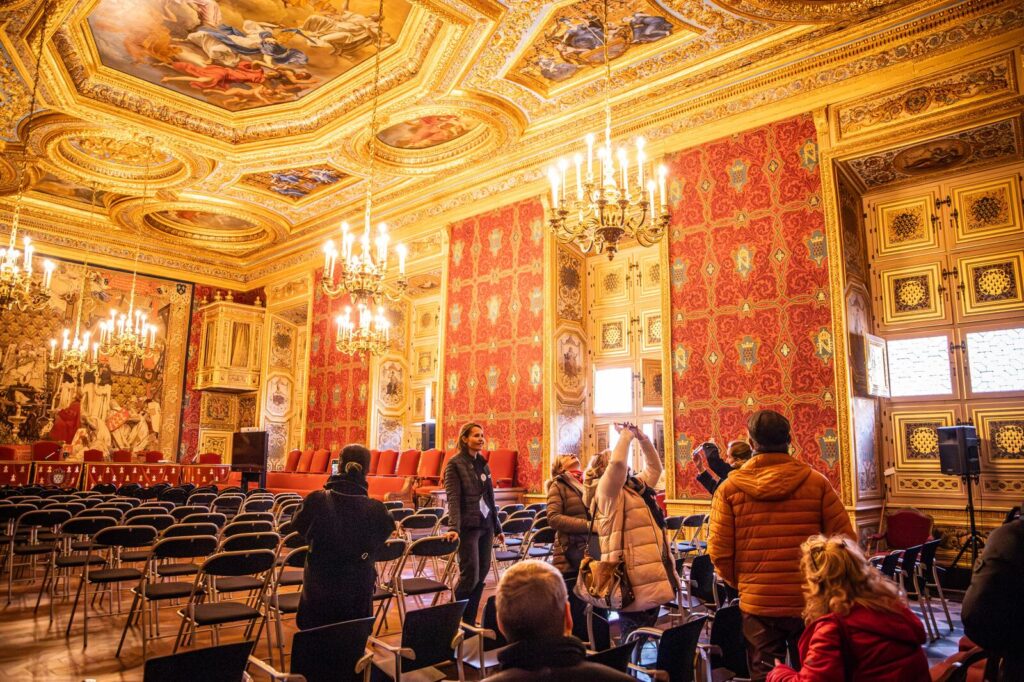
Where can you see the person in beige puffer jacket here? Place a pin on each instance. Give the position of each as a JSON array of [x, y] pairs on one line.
[[632, 527]]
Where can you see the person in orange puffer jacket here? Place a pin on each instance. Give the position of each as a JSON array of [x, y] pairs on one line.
[[760, 515], [858, 625]]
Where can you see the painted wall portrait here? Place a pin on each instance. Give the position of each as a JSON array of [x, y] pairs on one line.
[[240, 54], [426, 131], [392, 384]]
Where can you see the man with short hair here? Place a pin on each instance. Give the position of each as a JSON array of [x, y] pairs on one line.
[[760, 515], [533, 614]]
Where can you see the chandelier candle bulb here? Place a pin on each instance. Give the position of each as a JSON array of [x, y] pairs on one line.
[[590, 158], [578, 161], [402, 253], [662, 173], [650, 190]]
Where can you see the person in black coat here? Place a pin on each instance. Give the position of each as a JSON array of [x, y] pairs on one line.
[[736, 454], [472, 515], [993, 608], [345, 530]]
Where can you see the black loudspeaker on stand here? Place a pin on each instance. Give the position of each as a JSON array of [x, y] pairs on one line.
[[959, 456]]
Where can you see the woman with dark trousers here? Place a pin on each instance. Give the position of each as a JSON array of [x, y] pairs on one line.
[[472, 515], [345, 530]]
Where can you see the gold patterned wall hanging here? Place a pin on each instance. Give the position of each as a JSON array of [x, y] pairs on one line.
[[1002, 435], [905, 225], [911, 294], [991, 283], [612, 335], [988, 209], [915, 438]]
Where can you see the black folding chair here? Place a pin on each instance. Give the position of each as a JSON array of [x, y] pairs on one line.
[[430, 636], [617, 658], [482, 644], [726, 653], [224, 663], [281, 604], [180, 513], [434, 548], [330, 653], [75, 537], [30, 526], [677, 650]]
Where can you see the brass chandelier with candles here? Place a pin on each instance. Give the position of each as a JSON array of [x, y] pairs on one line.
[[612, 199], [360, 267], [129, 336], [20, 286], [76, 355]]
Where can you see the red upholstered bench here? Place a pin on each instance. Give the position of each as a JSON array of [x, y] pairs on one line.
[[391, 487], [304, 472]]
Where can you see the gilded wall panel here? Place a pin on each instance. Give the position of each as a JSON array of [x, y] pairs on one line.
[[991, 283], [988, 209]]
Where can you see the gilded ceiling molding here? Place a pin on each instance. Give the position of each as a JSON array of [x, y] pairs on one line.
[[114, 158], [807, 11], [966, 85], [202, 222]]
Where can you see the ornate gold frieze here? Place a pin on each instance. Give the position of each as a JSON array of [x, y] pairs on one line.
[[806, 11], [956, 88]]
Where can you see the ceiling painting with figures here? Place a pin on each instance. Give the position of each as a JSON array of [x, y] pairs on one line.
[[239, 54]]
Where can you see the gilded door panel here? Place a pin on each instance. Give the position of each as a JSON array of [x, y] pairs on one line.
[[986, 209], [905, 224], [611, 282], [611, 335], [913, 435], [650, 331], [990, 283], [913, 294], [1001, 430], [649, 265]]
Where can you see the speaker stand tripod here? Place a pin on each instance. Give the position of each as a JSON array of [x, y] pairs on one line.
[[973, 541]]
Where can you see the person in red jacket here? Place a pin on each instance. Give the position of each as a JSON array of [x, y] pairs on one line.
[[859, 628]]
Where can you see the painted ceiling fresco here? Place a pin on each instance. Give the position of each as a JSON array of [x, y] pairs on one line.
[[240, 54], [296, 184], [426, 131]]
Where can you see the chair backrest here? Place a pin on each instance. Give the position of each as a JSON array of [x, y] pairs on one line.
[[125, 536], [418, 522], [181, 530], [10, 512], [86, 525], [435, 546], [516, 526], [239, 527], [678, 648], [401, 513], [374, 461], [391, 505], [388, 462], [188, 509], [490, 622], [430, 464], [906, 528], [152, 456], [702, 579], [92, 456], [121, 456], [208, 517], [253, 516], [928, 550], [320, 462], [43, 518], [543, 536], [224, 663], [292, 460], [185, 547], [158, 521], [538, 507], [258, 504], [8, 453], [305, 460], [523, 514], [512, 508], [391, 550], [503, 467], [429, 633], [209, 458], [727, 635], [408, 463], [245, 542], [45, 451], [889, 564], [330, 653], [115, 514], [165, 505], [616, 658], [238, 563]]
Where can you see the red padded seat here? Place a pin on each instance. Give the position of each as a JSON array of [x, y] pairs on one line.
[[374, 461], [124, 457], [305, 460], [388, 462], [429, 468], [503, 467], [408, 463], [320, 462], [292, 461], [45, 451], [92, 456]]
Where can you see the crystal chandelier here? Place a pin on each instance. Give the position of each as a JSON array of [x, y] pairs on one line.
[[614, 203], [128, 335], [361, 275], [370, 334], [19, 286]]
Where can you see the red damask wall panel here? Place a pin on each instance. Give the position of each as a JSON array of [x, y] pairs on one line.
[[493, 343], [338, 383], [190, 407], [751, 322]]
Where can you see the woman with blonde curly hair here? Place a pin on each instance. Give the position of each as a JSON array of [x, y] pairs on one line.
[[858, 625]]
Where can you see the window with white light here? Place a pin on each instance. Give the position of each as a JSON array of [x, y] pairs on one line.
[[613, 390], [994, 360], [919, 366]]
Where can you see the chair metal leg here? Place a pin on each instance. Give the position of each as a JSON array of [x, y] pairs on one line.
[[74, 607], [127, 624], [39, 597], [942, 597]]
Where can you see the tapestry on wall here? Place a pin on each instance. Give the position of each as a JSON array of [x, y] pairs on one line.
[[493, 351], [751, 319], [122, 405], [338, 383]]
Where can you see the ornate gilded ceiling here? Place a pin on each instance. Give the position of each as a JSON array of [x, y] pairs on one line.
[[246, 122]]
